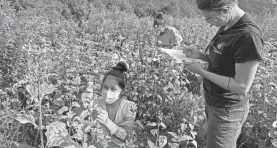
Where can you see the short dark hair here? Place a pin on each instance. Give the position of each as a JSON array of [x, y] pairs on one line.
[[159, 20], [118, 73], [213, 4]]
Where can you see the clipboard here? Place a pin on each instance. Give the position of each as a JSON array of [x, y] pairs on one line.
[[179, 56]]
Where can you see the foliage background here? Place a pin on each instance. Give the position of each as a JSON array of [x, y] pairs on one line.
[[69, 44]]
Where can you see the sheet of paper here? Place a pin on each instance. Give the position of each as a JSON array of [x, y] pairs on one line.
[[178, 55]]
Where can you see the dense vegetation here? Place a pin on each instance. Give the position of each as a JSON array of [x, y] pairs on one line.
[[53, 49]]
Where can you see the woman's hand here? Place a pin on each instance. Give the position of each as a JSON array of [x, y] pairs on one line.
[[104, 119], [103, 116], [192, 52], [194, 67]]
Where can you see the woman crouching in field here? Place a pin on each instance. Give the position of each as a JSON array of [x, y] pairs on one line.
[[234, 55], [116, 114]]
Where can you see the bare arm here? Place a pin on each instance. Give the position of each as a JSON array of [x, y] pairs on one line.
[[241, 83]]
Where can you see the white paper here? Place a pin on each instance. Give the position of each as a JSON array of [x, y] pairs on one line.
[[178, 55]]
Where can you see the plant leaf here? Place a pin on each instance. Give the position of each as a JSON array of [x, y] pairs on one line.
[[152, 124], [191, 127], [46, 89], [193, 134], [154, 131], [260, 112], [173, 134], [62, 110], [163, 125], [273, 85], [173, 145], [22, 118], [273, 133], [274, 142], [150, 143], [271, 101], [75, 104], [33, 91], [194, 143], [55, 133], [70, 144], [185, 138], [261, 143], [23, 145], [162, 141], [139, 124], [59, 102], [174, 140], [274, 124]]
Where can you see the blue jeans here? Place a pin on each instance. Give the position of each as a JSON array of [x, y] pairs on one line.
[[224, 125]]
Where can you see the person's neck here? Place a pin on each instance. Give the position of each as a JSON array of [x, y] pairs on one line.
[[235, 17]]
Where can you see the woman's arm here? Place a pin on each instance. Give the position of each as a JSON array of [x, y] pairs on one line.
[[241, 83], [123, 129]]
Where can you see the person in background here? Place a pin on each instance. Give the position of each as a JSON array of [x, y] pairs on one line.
[[167, 36], [116, 114], [86, 101], [233, 58]]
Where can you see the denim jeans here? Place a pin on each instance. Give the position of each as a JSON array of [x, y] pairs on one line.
[[224, 125]]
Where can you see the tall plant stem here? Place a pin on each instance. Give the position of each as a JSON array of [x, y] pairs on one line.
[[40, 115], [40, 125]]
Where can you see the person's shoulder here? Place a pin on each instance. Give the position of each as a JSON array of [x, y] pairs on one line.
[[129, 103], [249, 25], [130, 108], [172, 29], [252, 29], [251, 36]]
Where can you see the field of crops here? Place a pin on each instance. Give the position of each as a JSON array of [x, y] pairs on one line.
[[50, 50]]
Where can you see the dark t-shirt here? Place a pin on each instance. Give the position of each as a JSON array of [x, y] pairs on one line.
[[238, 44]]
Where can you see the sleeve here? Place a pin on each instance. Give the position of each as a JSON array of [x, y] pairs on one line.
[[177, 38], [125, 128], [248, 48]]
